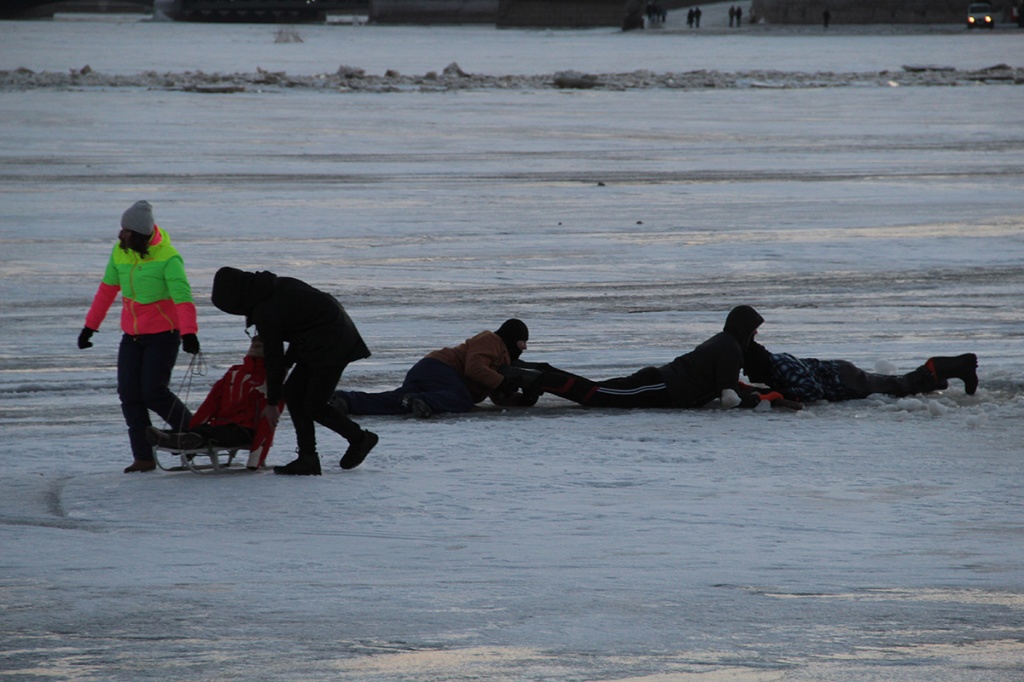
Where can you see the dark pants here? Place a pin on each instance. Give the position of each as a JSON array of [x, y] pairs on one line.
[[432, 381], [225, 435], [306, 393], [861, 384], [144, 366], [645, 388]]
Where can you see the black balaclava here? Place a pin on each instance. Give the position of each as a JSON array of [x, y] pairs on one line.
[[742, 322], [237, 292], [757, 363], [230, 286], [512, 332]]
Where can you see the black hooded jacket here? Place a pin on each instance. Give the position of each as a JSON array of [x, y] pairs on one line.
[[700, 376], [315, 326]]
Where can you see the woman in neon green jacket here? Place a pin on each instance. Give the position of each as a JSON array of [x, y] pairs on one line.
[[157, 313]]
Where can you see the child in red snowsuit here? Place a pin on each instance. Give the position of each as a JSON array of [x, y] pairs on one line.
[[231, 414]]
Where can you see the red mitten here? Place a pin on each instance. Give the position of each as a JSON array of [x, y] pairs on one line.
[[778, 400]]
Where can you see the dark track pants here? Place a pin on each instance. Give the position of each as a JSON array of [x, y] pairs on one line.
[[144, 366], [640, 389], [861, 384]]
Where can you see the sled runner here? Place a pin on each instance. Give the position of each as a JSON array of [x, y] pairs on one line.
[[206, 459]]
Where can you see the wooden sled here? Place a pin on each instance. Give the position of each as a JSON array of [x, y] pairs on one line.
[[211, 459]]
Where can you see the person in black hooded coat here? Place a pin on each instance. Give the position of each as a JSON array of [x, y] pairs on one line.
[[322, 340], [709, 371]]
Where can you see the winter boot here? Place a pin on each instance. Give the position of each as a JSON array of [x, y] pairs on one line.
[[140, 465], [304, 465], [963, 367], [357, 452], [520, 377], [173, 441], [539, 366], [416, 405], [922, 380], [154, 436]]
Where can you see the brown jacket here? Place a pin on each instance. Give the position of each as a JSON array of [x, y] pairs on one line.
[[477, 361]]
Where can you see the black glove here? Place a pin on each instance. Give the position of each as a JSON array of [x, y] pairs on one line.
[[190, 343], [83, 338]]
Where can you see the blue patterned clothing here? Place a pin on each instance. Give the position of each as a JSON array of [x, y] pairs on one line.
[[807, 379]]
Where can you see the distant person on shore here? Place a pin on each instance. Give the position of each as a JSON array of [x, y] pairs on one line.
[[451, 379], [711, 371], [322, 340], [157, 314], [825, 17], [689, 18], [656, 14], [696, 16], [810, 379], [732, 15], [739, 16]]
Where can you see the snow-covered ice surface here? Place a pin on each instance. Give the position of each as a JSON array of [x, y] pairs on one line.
[[873, 540]]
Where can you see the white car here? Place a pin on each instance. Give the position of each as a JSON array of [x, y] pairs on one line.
[[979, 15]]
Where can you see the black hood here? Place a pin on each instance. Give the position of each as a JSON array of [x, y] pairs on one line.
[[237, 292], [757, 364], [513, 331], [742, 322]]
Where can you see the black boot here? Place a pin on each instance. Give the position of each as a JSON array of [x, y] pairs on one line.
[[170, 440], [921, 380], [357, 452], [963, 367], [304, 465], [419, 409], [539, 366], [520, 377]]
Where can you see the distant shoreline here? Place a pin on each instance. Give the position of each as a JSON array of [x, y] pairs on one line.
[[351, 80], [786, 30]]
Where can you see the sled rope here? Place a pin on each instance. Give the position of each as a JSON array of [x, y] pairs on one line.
[[196, 368]]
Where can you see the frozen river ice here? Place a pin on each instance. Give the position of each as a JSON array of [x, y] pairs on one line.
[[876, 539]]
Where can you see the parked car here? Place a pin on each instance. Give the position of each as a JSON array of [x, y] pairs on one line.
[[979, 15]]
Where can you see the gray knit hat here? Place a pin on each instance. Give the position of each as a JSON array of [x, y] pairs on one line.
[[138, 218]]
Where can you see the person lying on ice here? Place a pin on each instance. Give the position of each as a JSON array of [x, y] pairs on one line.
[[231, 415], [810, 379], [322, 340], [710, 371], [451, 379]]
